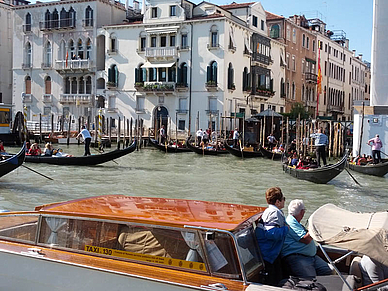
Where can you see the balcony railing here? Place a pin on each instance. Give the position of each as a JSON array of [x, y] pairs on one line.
[[112, 51], [311, 78], [211, 85], [213, 46], [335, 108], [47, 98], [74, 98], [266, 93], [88, 22], [260, 58], [161, 52], [57, 24], [73, 65], [111, 84], [27, 28], [27, 98], [46, 66], [182, 111], [212, 112], [159, 87], [26, 65]]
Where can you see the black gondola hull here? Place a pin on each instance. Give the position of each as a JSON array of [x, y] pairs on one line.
[[84, 160], [203, 151], [320, 175], [168, 148], [378, 170], [271, 155], [12, 162], [242, 154]]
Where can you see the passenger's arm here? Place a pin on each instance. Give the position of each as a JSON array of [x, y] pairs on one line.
[[306, 239], [276, 233]]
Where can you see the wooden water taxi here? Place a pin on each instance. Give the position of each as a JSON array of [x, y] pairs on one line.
[[119, 242]]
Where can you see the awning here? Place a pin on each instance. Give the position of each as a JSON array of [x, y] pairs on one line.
[[162, 30], [311, 60], [157, 65]]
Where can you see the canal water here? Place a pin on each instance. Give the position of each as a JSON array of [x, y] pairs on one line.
[[152, 173]]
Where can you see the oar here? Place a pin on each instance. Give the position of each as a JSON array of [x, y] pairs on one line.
[[241, 149], [383, 153], [354, 179], [38, 173], [102, 152]]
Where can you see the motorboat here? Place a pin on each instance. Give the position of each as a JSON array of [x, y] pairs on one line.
[[118, 242]]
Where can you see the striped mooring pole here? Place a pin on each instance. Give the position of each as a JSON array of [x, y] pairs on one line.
[[99, 127], [25, 123]]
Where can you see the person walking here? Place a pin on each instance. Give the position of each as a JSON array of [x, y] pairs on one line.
[[321, 141], [87, 139], [376, 145]]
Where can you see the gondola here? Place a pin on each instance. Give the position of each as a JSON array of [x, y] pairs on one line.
[[204, 151], [84, 160], [12, 162], [242, 154], [320, 175], [378, 170], [168, 148], [271, 155]]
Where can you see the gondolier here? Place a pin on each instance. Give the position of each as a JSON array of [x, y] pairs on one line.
[[321, 141], [87, 139], [376, 145]]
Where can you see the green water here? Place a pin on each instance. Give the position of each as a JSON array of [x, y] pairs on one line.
[[152, 173]]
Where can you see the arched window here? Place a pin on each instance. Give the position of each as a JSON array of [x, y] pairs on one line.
[[80, 49], [47, 19], [47, 85], [113, 76], [74, 85], [282, 88], [212, 73], [81, 86], [28, 22], [71, 49], [28, 55], [245, 81], [28, 85], [171, 74], [67, 85], [88, 49], [55, 19], [182, 75], [89, 85], [89, 16], [140, 75], [63, 15], [112, 43], [293, 91], [231, 77], [62, 51], [214, 36], [72, 18], [47, 54], [275, 31]]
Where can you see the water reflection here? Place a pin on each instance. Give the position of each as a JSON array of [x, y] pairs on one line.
[[151, 173]]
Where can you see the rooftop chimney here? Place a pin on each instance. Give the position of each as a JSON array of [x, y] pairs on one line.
[[360, 57], [354, 53]]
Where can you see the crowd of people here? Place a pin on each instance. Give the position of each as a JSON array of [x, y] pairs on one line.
[[209, 139]]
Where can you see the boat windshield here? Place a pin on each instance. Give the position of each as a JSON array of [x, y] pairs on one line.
[[19, 227]]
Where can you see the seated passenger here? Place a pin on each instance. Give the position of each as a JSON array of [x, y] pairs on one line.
[[373, 271], [369, 159], [270, 233], [302, 163], [49, 151], [311, 163], [35, 150], [299, 251], [294, 159], [2, 150], [362, 161], [281, 148]]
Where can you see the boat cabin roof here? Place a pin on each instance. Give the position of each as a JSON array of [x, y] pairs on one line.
[[158, 211]]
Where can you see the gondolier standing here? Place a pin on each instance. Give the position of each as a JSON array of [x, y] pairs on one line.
[[87, 139], [321, 141], [376, 145]]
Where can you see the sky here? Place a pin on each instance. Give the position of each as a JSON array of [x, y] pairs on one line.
[[355, 17]]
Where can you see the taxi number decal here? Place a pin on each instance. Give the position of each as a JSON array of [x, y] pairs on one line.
[[147, 258]]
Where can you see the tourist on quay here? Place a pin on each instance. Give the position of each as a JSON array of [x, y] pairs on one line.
[[299, 251], [87, 139], [236, 136], [271, 232], [271, 141], [162, 134], [199, 136], [321, 141], [376, 145]]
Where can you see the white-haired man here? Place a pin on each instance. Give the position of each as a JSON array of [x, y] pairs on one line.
[[299, 249]]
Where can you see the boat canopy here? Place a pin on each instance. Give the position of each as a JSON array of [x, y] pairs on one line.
[[366, 233]]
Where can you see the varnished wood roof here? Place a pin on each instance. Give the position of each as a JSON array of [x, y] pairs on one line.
[[160, 211]]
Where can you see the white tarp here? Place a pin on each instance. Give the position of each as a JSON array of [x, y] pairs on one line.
[[366, 233]]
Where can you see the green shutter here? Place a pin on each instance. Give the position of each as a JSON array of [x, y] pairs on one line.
[[208, 74], [109, 75], [136, 75], [179, 77]]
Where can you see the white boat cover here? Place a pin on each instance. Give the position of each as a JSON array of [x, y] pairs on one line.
[[365, 233]]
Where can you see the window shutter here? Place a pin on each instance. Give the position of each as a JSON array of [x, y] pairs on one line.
[[109, 75], [271, 85], [184, 75], [208, 74], [244, 82], [116, 76], [215, 74], [136, 75], [179, 77]]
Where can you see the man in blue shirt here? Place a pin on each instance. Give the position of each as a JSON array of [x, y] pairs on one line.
[[321, 141], [299, 249]]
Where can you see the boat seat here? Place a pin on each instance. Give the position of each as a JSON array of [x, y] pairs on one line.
[[355, 276]]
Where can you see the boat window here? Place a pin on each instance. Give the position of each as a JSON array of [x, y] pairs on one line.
[[249, 252], [21, 227], [221, 254]]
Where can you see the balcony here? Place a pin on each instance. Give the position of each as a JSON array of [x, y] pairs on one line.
[[335, 108], [64, 66], [311, 78], [27, 98], [213, 46], [212, 112], [262, 93], [46, 66], [111, 85], [26, 66], [182, 111], [62, 24], [211, 86], [112, 51], [47, 98], [75, 98], [158, 87], [260, 59], [140, 110], [182, 87], [88, 22], [27, 28], [161, 52]]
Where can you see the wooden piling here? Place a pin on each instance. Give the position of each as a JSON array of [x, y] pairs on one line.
[[118, 133], [79, 129], [68, 131], [40, 128]]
